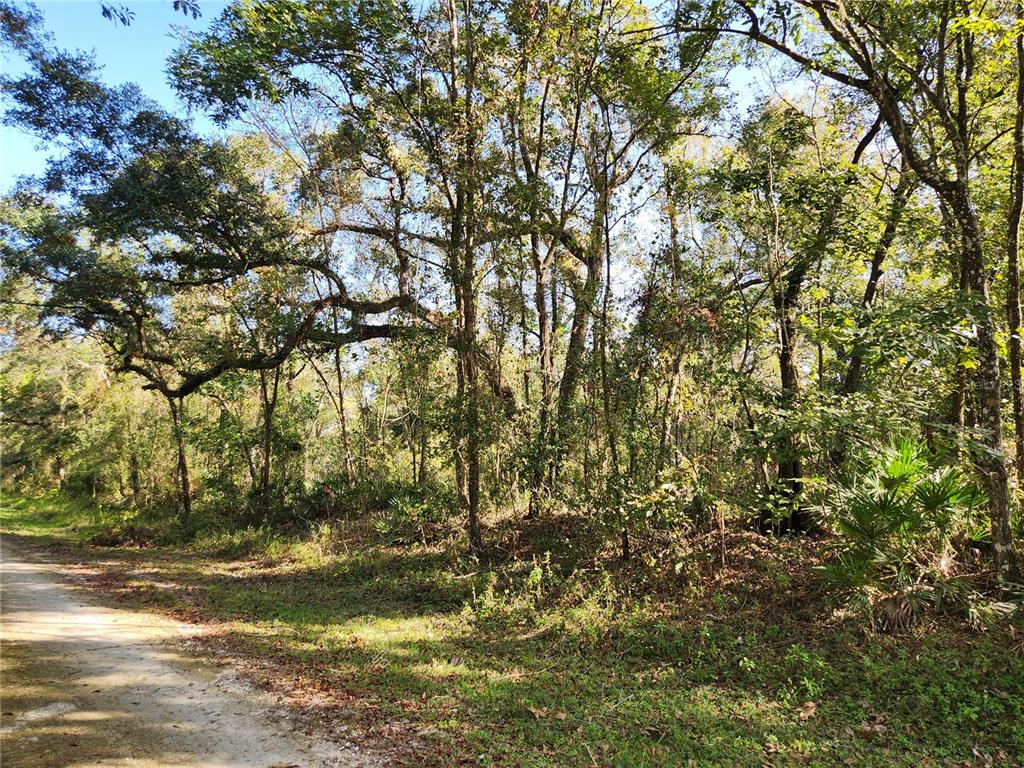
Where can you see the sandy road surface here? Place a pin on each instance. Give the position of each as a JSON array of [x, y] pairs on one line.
[[83, 685]]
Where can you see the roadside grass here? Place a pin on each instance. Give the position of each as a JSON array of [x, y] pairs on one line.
[[51, 516], [527, 664]]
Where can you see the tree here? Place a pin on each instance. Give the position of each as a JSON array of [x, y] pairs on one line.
[[145, 234], [435, 113], [933, 84], [1013, 248]]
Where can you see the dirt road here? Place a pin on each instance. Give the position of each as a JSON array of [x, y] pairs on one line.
[[84, 685]]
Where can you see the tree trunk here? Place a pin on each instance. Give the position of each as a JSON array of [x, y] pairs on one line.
[[606, 395], [339, 378], [134, 481], [472, 406], [670, 397], [1013, 308], [424, 436], [989, 457], [585, 298], [462, 262], [855, 366], [184, 484], [542, 447], [672, 215], [268, 399], [900, 197], [790, 477], [133, 476]]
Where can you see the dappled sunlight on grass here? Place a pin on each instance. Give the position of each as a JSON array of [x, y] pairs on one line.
[[525, 666]]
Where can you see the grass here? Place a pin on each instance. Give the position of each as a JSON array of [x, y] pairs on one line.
[[527, 664]]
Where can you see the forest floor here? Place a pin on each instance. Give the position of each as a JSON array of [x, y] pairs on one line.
[[450, 663]]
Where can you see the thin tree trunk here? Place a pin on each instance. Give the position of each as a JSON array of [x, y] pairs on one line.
[[462, 260], [531, 161], [790, 471], [469, 309], [472, 413], [672, 214], [268, 399], [855, 366], [184, 484], [609, 416], [900, 197], [133, 475], [134, 480], [670, 396], [958, 397], [424, 443], [339, 380], [542, 446], [1013, 308], [585, 299], [410, 443], [555, 320]]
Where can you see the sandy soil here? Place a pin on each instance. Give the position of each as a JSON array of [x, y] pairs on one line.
[[84, 685]]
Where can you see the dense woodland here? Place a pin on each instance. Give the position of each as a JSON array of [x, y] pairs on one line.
[[662, 271]]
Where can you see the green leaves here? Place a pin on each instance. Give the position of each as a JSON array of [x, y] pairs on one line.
[[898, 518], [903, 465], [272, 49], [943, 495], [869, 516]]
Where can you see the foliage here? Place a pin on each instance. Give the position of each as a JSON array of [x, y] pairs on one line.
[[903, 522], [450, 267], [414, 515]]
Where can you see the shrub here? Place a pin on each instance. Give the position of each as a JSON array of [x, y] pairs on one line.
[[897, 522], [414, 515]]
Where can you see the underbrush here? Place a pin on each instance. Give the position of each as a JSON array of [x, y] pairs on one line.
[[911, 534]]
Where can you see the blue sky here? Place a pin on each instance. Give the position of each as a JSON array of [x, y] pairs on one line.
[[137, 53]]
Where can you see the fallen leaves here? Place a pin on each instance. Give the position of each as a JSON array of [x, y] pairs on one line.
[[540, 713], [868, 730], [807, 710], [872, 729]]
